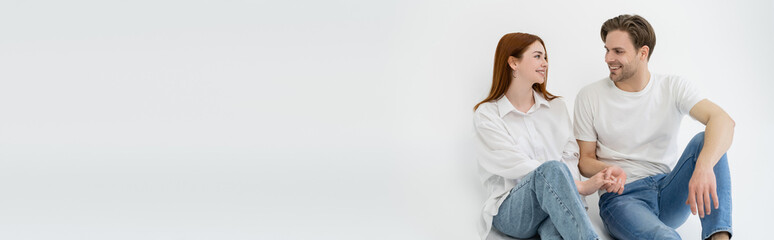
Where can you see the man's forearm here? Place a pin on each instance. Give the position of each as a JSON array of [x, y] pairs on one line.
[[718, 135], [589, 166]]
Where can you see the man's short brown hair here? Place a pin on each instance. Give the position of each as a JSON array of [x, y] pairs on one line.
[[640, 31]]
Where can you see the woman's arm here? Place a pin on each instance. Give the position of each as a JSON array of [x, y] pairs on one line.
[[593, 184], [498, 153]]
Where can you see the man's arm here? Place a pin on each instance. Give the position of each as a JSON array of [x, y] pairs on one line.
[[718, 132], [589, 165], [718, 135]]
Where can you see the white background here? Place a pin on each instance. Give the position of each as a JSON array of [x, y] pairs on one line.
[[316, 119]]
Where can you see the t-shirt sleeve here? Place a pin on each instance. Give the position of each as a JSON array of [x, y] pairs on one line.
[[584, 118], [687, 95]]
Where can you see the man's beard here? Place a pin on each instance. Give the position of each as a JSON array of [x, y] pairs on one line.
[[623, 75]]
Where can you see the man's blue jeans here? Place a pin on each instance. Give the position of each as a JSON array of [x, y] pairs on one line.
[[545, 202], [653, 207]]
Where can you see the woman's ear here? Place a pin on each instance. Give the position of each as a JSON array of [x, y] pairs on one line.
[[513, 61]]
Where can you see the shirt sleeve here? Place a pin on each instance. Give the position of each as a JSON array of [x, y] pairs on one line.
[[498, 153], [570, 156], [570, 151], [687, 95], [584, 118]]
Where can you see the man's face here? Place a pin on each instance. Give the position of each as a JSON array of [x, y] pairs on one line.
[[623, 60]]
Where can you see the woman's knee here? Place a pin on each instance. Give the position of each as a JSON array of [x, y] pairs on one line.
[[555, 168]]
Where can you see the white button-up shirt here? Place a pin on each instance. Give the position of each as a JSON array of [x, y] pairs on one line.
[[514, 143]]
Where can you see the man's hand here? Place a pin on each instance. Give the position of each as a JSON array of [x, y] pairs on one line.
[[701, 189], [617, 176], [594, 183]]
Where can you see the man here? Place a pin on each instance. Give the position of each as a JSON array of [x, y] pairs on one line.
[[627, 125]]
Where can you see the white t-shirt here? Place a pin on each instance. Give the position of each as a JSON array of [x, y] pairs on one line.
[[514, 144], [636, 131]]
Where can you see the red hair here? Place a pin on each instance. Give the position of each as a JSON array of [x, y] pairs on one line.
[[512, 44]]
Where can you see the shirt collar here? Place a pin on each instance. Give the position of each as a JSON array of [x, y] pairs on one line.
[[504, 106]]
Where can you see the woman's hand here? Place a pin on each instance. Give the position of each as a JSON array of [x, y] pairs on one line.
[[594, 183]]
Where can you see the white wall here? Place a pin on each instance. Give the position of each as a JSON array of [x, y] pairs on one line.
[[314, 119]]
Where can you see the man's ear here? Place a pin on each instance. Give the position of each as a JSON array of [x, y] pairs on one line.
[[645, 51], [513, 62]]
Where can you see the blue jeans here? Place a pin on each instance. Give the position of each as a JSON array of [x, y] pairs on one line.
[[652, 207], [545, 202]]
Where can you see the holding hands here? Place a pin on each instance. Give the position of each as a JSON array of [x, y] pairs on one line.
[[618, 177], [611, 179], [593, 184]]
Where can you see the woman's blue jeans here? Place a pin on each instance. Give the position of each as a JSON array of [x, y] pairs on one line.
[[653, 207], [545, 202]]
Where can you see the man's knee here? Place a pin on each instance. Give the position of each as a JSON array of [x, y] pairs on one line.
[[698, 143], [697, 139]]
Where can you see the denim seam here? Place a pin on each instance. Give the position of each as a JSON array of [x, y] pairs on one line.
[[524, 182], [672, 177], [567, 210]]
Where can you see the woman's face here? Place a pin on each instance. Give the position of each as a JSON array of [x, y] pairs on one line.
[[533, 64]]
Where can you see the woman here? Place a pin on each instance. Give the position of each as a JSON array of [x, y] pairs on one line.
[[522, 128]]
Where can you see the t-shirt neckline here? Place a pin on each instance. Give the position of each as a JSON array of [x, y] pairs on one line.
[[638, 93]]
